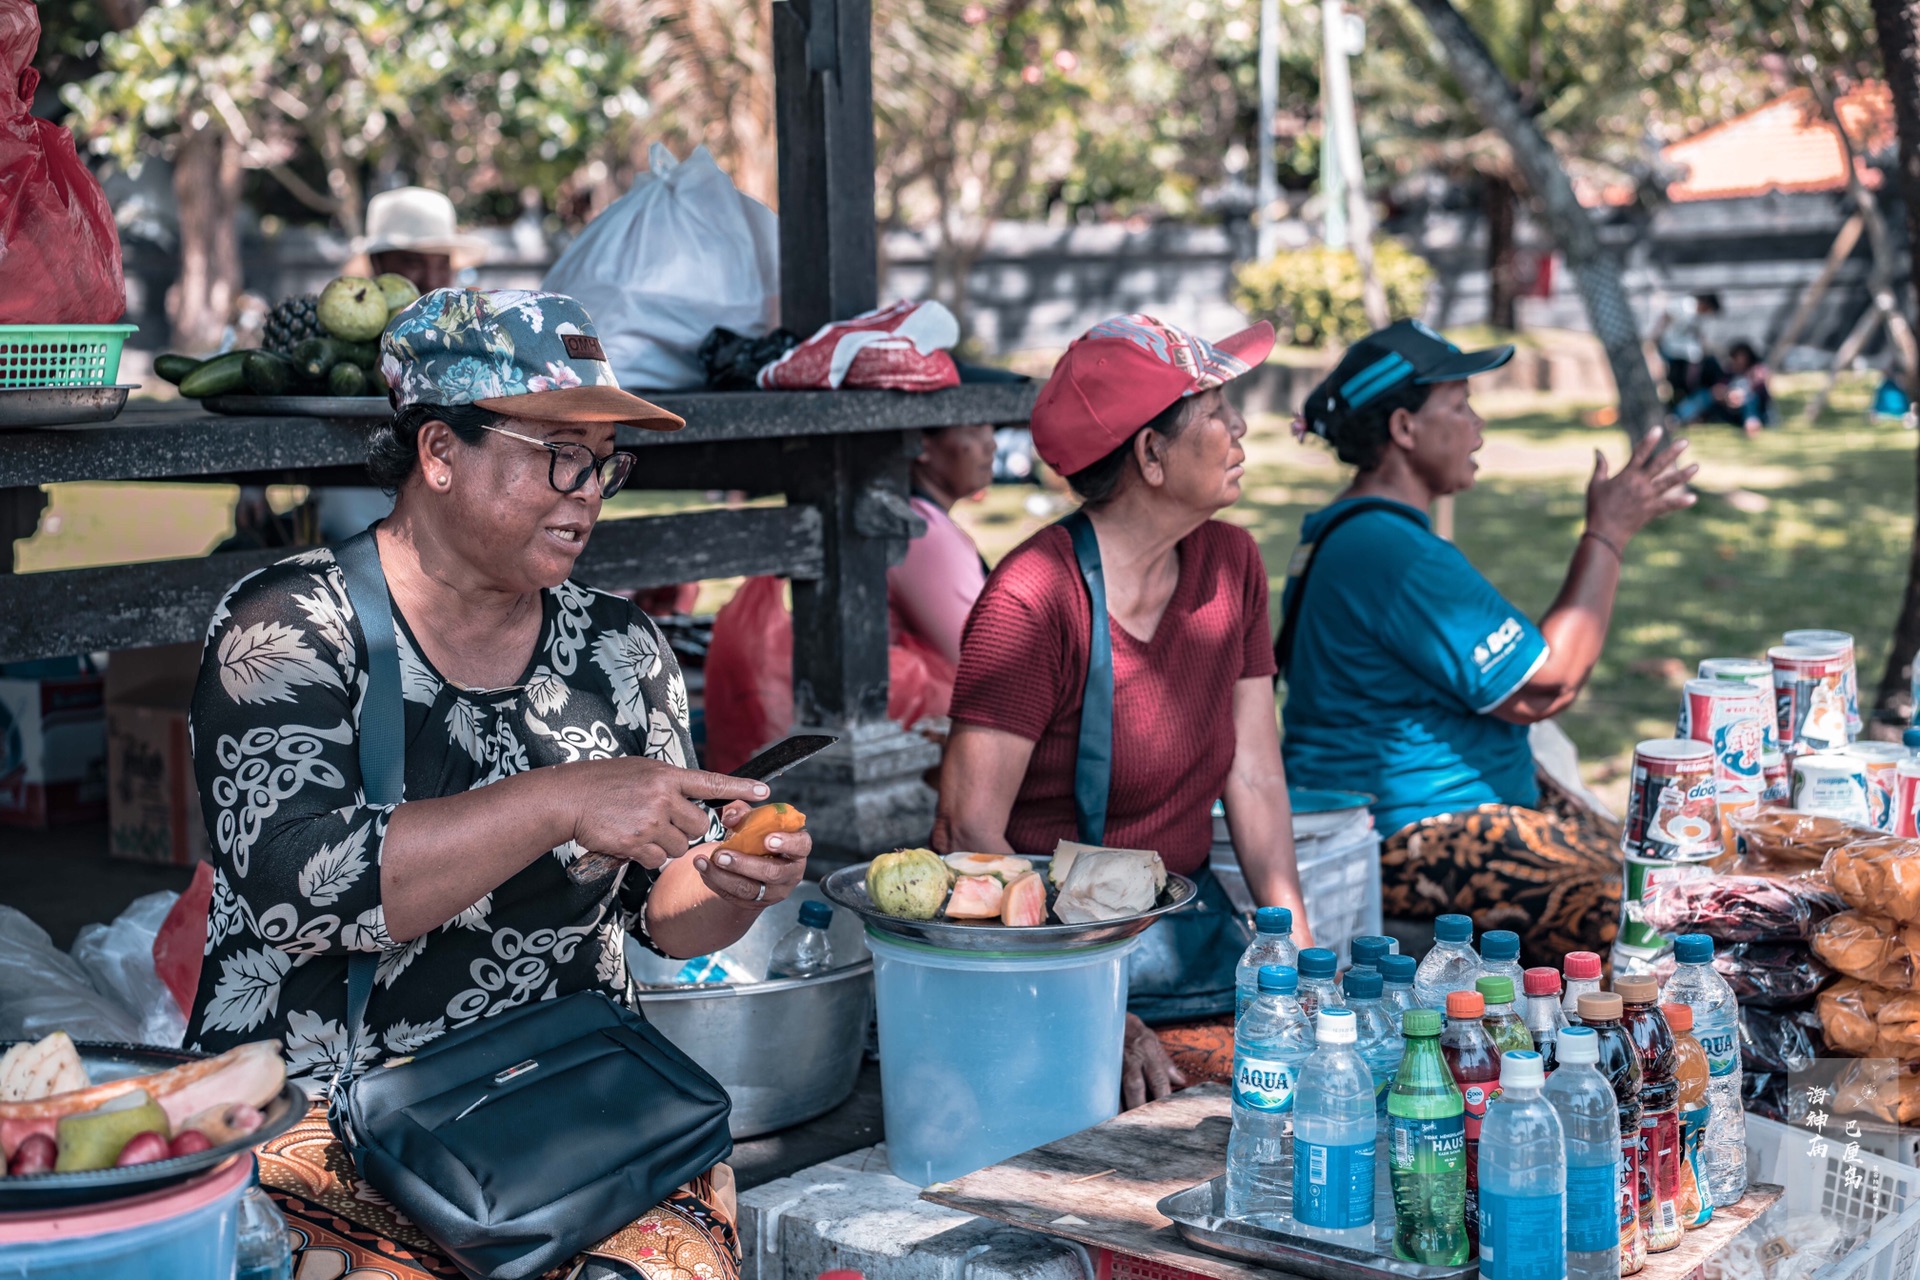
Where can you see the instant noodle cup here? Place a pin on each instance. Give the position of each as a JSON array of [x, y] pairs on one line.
[[1777, 778], [1749, 671], [1880, 759], [1637, 942], [1906, 797], [1810, 696], [1833, 784], [1731, 717], [1673, 803], [1842, 641]]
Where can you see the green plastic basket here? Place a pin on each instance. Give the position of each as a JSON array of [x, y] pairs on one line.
[[61, 355]]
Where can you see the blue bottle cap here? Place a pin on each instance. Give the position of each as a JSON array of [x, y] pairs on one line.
[[816, 915], [1911, 739], [1453, 928], [1397, 968], [1362, 984], [1499, 945], [1318, 962], [1693, 948], [1278, 980], [1368, 948], [1273, 920]]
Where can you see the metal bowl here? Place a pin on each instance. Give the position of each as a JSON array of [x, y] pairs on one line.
[[786, 1051], [61, 406], [40, 1192], [847, 888]]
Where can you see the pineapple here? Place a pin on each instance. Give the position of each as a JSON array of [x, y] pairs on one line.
[[293, 322]]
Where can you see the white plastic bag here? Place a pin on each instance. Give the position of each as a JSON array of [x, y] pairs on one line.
[[118, 957], [682, 253], [43, 990]]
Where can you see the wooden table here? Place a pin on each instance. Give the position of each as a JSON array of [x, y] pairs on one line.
[[1099, 1187]]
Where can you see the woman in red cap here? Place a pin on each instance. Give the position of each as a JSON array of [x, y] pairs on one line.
[[1124, 734]]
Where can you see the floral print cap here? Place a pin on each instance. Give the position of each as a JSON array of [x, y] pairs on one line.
[[529, 355]]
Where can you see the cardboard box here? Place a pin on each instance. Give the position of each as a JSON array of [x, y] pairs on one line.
[[154, 802], [53, 745]]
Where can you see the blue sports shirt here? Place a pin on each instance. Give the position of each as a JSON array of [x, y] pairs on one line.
[[1401, 651]]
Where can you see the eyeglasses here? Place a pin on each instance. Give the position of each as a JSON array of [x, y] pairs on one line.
[[569, 465]]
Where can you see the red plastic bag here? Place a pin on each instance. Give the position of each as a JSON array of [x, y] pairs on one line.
[[749, 698], [181, 945], [59, 247], [898, 348]]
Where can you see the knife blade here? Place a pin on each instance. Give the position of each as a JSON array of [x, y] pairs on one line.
[[784, 755]]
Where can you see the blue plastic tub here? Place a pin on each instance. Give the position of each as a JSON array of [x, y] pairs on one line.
[[186, 1232], [985, 1055]]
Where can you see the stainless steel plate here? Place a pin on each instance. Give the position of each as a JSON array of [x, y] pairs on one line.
[[847, 888], [60, 406], [43, 1191], [365, 407], [1197, 1214]]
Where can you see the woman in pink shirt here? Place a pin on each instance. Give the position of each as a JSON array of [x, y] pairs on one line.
[[930, 593]]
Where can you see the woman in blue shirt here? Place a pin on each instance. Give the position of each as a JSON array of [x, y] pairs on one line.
[[1408, 675]]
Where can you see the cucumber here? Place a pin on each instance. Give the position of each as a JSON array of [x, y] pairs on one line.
[[175, 367], [221, 376], [364, 354], [315, 357], [267, 374], [347, 380]]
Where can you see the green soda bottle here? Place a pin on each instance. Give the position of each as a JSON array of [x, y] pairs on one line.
[[1426, 1149], [1504, 1027]]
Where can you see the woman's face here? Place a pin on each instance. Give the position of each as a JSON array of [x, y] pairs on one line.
[[495, 503], [958, 460], [1441, 439], [1202, 466]]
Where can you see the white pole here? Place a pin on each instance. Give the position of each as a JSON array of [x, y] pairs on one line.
[[1334, 97], [1269, 193], [1342, 132]]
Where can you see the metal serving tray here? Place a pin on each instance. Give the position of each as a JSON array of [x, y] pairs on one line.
[[61, 406], [1198, 1214], [359, 407]]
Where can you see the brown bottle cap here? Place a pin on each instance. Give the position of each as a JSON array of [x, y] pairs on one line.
[[1638, 989], [1599, 1006], [1679, 1016]]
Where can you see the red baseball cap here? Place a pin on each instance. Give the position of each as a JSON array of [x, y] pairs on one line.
[[1119, 375]]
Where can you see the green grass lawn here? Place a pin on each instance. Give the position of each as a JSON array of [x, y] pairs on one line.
[[1804, 527]]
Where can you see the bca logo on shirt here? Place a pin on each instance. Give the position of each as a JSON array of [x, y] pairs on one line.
[[1488, 651]]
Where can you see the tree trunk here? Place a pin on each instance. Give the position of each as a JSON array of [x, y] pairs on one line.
[[1503, 258], [1898, 23], [1594, 266], [206, 187]]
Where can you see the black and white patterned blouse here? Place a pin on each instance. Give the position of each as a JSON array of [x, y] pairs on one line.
[[296, 847]]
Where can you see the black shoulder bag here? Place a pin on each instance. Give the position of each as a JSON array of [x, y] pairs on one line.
[[1294, 594], [518, 1141]]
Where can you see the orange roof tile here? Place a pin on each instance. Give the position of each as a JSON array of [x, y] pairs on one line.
[[1783, 146]]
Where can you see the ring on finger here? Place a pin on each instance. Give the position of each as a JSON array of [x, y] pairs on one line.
[[760, 895]]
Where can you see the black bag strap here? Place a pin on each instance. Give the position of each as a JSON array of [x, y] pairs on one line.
[[1093, 762], [382, 732], [1293, 595]]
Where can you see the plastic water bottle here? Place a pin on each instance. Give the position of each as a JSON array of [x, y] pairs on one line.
[[1543, 1015], [1590, 1119], [1272, 944], [1380, 1044], [1452, 965], [1318, 990], [1334, 1128], [1426, 1150], [264, 1251], [1698, 985], [1523, 1178], [1271, 1043], [1500, 955], [1502, 1022], [1583, 979], [1396, 989], [1619, 1065], [1367, 951], [804, 950]]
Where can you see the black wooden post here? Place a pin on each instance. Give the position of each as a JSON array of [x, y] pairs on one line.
[[867, 796], [20, 508]]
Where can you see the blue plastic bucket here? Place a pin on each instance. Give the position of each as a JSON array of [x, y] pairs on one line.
[[186, 1232], [984, 1055]]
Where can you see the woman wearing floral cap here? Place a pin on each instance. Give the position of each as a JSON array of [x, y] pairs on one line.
[[544, 721], [1178, 669]]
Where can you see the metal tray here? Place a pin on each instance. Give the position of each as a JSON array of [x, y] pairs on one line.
[[60, 406], [1197, 1214], [363, 407], [847, 888], [39, 1192]]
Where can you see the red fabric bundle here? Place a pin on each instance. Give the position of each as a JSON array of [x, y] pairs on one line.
[[898, 348], [59, 247]]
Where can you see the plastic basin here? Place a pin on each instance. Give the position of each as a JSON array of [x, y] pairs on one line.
[[984, 1055], [186, 1232]]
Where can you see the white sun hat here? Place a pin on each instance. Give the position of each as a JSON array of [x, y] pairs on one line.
[[419, 220]]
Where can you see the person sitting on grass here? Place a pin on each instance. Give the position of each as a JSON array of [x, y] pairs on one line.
[[1410, 678], [1739, 397]]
